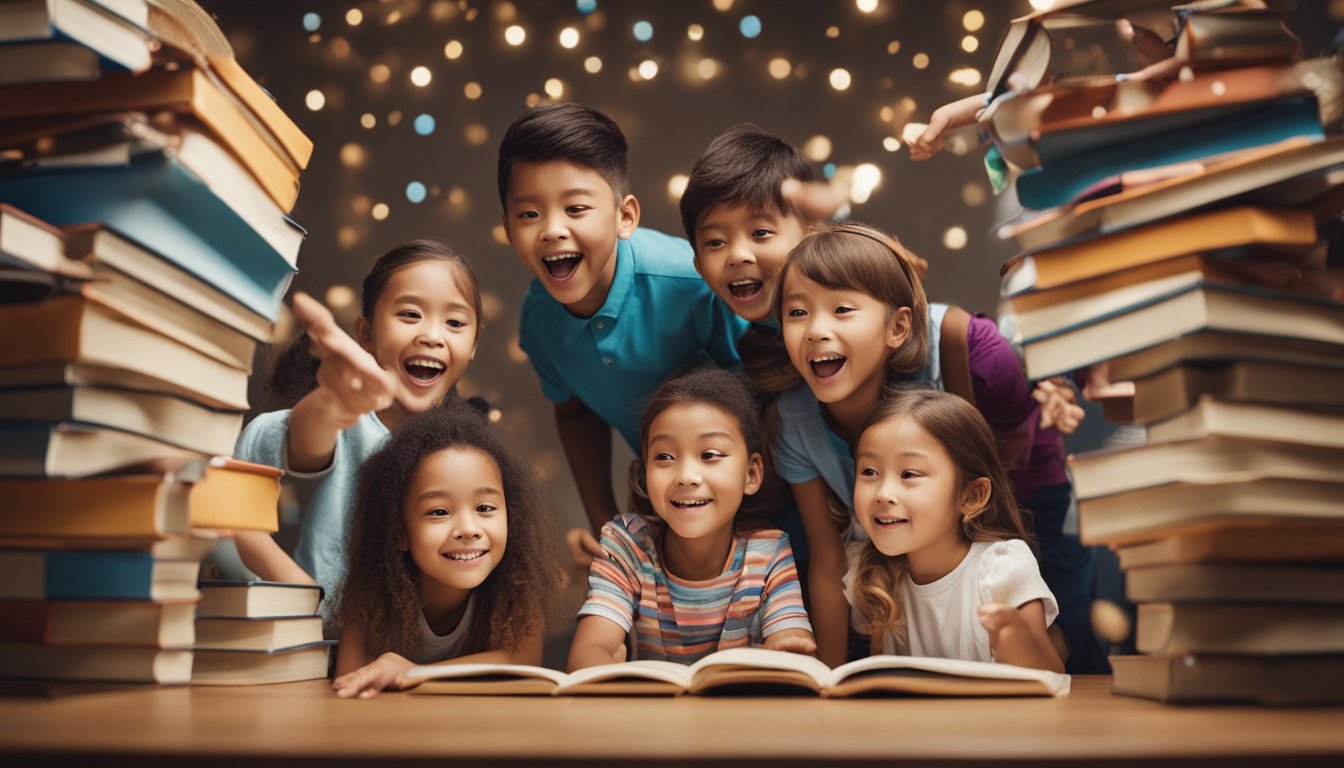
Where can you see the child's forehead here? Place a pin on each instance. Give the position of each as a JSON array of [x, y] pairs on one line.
[[692, 419], [534, 178], [716, 214]]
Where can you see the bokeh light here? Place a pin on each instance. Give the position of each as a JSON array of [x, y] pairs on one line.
[[750, 27], [315, 100], [780, 68], [424, 124], [420, 77], [954, 239], [592, 65], [416, 192], [515, 35], [569, 37], [840, 79], [380, 211], [643, 31], [311, 21], [452, 50]]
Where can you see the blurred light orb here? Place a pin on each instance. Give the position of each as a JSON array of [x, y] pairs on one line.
[[750, 26], [648, 69], [472, 90], [353, 155], [866, 6], [723, 5], [340, 297], [416, 192], [476, 134], [515, 35], [586, 7], [817, 148], [891, 144], [676, 186], [554, 88], [315, 100], [569, 37], [311, 21], [452, 50], [695, 33], [894, 47], [954, 239], [840, 79], [592, 65], [970, 44], [368, 120], [354, 16], [973, 21], [380, 73], [643, 31], [424, 124], [420, 77], [380, 211], [707, 69], [967, 76], [780, 68], [921, 61]]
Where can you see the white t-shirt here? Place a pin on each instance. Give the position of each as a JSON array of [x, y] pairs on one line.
[[940, 617], [435, 648]]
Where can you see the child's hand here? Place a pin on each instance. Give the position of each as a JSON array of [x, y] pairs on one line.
[[386, 671], [793, 641], [1000, 619], [583, 547], [944, 119], [348, 375], [815, 200], [1059, 405]]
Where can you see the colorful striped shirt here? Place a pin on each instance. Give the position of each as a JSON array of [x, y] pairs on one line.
[[674, 619]]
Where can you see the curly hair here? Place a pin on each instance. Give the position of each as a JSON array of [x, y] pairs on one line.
[[730, 392], [380, 593], [963, 432]]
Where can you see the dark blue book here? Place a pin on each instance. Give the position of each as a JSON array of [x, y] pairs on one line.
[[116, 575]]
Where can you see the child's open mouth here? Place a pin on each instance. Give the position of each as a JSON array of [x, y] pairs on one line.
[[466, 557], [423, 369], [826, 366], [562, 265], [890, 521], [690, 503], [746, 289]]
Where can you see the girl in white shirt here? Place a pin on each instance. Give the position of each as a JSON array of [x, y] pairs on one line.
[[949, 571]]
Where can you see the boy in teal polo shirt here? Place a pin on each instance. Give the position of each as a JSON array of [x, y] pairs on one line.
[[613, 310]]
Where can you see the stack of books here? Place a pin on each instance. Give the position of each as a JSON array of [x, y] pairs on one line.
[[254, 632], [144, 249], [1188, 253]]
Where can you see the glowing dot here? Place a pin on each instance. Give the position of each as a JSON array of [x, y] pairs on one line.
[[311, 21], [866, 6], [973, 21], [840, 79], [891, 144], [832, 32], [592, 65], [380, 211], [476, 134], [677, 185], [887, 114], [780, 68], [354, 16], [1185, 75], [340, 47], [506, 12], [828, 170], [973, 194], [954, 239], [515, 35], [420, 76], [1098, 112], [1219, 88], [894, 47], [970, 44], [340, 297], [817, 148], [472, 91], [967, 76], [586, 6], [1042, 5], [499, 235], [921, 60], [532, 99], [368, 120], [866, 178], [707, 68], [393, 17], [423, 124], [453, 50], [457, 196], [352, 155], [643, 31], [695, 33], [394, 118], [723, 5], [912, 131], [554, 88], [379, 73], [347, 237], [569, 37], [496, 414], [315, 100], [648, 69], [749, 26], [361, 204], [416, 192]]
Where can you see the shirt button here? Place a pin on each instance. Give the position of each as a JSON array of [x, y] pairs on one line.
[[600, 325], [609, 360]]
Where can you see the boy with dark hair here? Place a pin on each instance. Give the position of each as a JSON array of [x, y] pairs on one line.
[[613, 309]]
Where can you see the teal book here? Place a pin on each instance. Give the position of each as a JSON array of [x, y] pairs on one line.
[[1072, 161], [97, 575], [157, 203]]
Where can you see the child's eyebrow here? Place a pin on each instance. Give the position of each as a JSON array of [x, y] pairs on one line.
[[701, 436], [416, 298]]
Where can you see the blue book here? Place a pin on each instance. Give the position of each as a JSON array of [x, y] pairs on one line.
[[99, 575], [162, 206], [1064, 172]]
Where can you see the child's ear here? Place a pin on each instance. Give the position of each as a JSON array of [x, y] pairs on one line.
[[974, 498], [755, 474], [364, 333], [898, 329], [627, 217]]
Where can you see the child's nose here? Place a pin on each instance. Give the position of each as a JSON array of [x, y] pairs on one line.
[[554, 229], [741, 255], [431, 337], [468, 528]]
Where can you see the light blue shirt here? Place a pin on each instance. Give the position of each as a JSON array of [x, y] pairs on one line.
[[659, 317]]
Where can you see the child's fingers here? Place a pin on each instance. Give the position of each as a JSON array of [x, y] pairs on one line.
[[814, 200]]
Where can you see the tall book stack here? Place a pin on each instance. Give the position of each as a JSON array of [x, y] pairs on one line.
[[144, 249], [1187, 250]]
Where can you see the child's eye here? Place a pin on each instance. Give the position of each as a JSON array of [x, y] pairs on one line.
[[868, 472], [438, 512], [573, 209], [762, 233], [843, 310], [710, 455], [485, 509], [714, 243], [528, 215], [409, 313], [662, 457], [456, 324], [795, 312], [909, 474]]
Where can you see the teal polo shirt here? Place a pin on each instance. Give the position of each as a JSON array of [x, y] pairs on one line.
[[659, 317]]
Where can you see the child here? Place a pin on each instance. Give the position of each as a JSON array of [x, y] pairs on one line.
[[855, 319], [449, 556], [418, 329], [692, 573], [948, 570], [613, 309]]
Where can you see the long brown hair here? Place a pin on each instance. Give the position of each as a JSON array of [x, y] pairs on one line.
[[967, 438]]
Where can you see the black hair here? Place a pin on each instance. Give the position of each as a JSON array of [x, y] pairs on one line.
[[564, 131]]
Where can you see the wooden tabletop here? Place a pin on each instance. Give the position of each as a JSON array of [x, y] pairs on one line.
[[303, 722]]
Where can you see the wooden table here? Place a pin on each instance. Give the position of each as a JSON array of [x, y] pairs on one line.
[[304, 723]]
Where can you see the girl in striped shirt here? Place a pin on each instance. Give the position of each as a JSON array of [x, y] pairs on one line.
[[693, 569]]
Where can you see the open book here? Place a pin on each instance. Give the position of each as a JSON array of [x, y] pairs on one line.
[[748, 670]]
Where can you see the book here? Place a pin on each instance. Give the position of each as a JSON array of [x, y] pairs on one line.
[[268, 635], [76, 329], [123, 506], [91, 24], [1251, 420], [1231, 39], [1203, 306], [257, 599], [286, 665], [194, 547], [1236, 582], [1212, 392], [1250, 541], [95, 663], [1239, 628], [76, 575], [48, 62], [1273, 680], [66, 449], [78, 374], [1147, 513], [157, 202], [1203, 460], [159, 625], [30, 241], [236, 495], [1220, 346], [749, 669], [1270, 230], [172, 419]]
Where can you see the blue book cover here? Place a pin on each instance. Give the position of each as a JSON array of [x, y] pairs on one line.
[[76, 575], [1064, 175], [159, 204]]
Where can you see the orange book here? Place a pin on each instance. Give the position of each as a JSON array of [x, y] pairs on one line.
[[128, 506], [236, 495]]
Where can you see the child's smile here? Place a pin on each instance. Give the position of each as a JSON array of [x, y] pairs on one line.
[[739, 251], [456, 521]]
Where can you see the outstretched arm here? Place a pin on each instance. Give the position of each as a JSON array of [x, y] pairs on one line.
[[826, 572], [264, 557], [586, 439], [1018, 635]]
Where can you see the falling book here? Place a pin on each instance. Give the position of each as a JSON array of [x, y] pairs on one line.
[[1178, 389], [749, 670], [1250, 628]]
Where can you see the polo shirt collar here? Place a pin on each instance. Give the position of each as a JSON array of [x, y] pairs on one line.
[[621, 283]]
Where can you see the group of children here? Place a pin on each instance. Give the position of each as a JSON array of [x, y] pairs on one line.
[[775, 372]]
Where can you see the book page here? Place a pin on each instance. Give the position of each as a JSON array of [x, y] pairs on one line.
[[1038, 681], [488, 671]]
